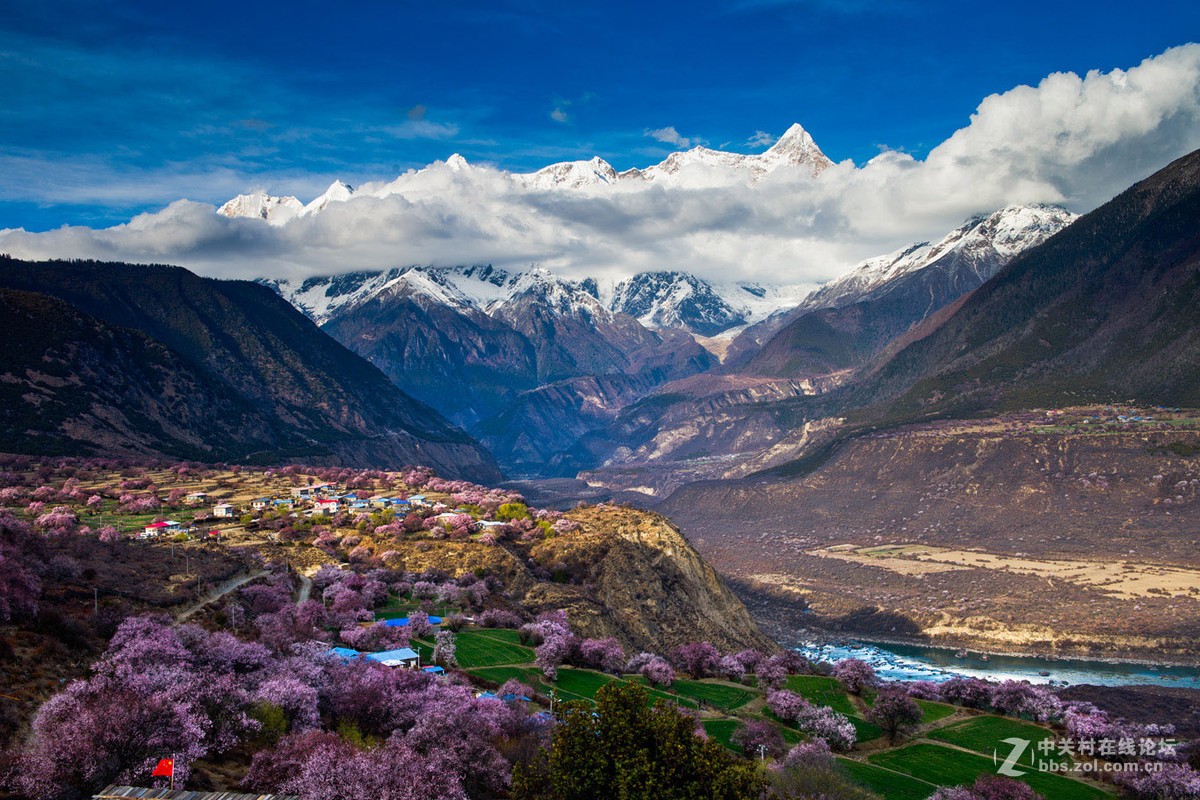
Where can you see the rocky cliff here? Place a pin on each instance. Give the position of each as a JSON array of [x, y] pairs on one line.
[[626, 573]]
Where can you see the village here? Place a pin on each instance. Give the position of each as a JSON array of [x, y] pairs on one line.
[[354, 575], [318, 502]]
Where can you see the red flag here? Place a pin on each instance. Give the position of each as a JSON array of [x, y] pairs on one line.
[[165, 768]]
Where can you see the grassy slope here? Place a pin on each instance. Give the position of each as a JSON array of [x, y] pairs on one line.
[[948, 766]]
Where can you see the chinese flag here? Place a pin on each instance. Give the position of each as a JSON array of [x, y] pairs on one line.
[[165, 768]]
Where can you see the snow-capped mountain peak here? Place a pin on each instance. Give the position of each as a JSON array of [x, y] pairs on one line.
[[259, 205], [796, 148], [682, 300], [337, 192], [980, 246], [699, 166], [656, 299], [571, 175]]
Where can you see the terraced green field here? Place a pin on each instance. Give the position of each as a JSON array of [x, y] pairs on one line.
[[888, 784], [526, 675], [932, 712], [488, 648], [985, 734], [722, 730], [822, 691], [581, 684], [721, 695], [947, 766], [572, 684]]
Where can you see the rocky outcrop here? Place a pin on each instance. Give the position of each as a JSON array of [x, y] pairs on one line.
[[626, 573], [649, 586]]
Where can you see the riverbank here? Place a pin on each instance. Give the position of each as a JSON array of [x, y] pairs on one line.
[[910, 662], [975, 650]]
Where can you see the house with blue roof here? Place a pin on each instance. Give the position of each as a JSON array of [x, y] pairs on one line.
[[401, 657], [507, 697], [402, 621]]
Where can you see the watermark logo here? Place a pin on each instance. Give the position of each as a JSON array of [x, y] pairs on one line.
[[1083, 755], [1009, 767]]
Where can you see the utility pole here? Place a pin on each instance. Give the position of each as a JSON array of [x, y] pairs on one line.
[[762, 752]]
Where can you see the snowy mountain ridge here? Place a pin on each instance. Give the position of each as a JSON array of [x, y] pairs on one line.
[[981, 245], [678, 299], [656, 299], [699, 166]]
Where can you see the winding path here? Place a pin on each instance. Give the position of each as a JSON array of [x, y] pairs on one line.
[[219, 591], [306, 586]]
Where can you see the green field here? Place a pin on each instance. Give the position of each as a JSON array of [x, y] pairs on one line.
[[526, 675], [721, 695], [721, 730], [986, 734], [582, 684], [947, 766], [932, 712], [395, 612], [404, 609], [890, 785], [572, 684], [489, 648], [822, 691]]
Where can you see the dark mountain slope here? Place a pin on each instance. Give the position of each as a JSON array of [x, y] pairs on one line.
[[70, 383], [486, 369], [1108, 309], [462, 362], [247, 342], [828, 340]]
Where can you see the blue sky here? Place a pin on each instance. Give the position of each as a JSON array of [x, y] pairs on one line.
[[109, 109]]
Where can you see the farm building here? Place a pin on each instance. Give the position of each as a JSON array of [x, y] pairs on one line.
[[402, 657], [311, 491], [224, 510], [156, 529], [400, 622]]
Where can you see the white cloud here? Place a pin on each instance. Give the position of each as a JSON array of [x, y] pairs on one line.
[[1070, 139], [421, 128], [671, 136], [761, 139], [559, 115]]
